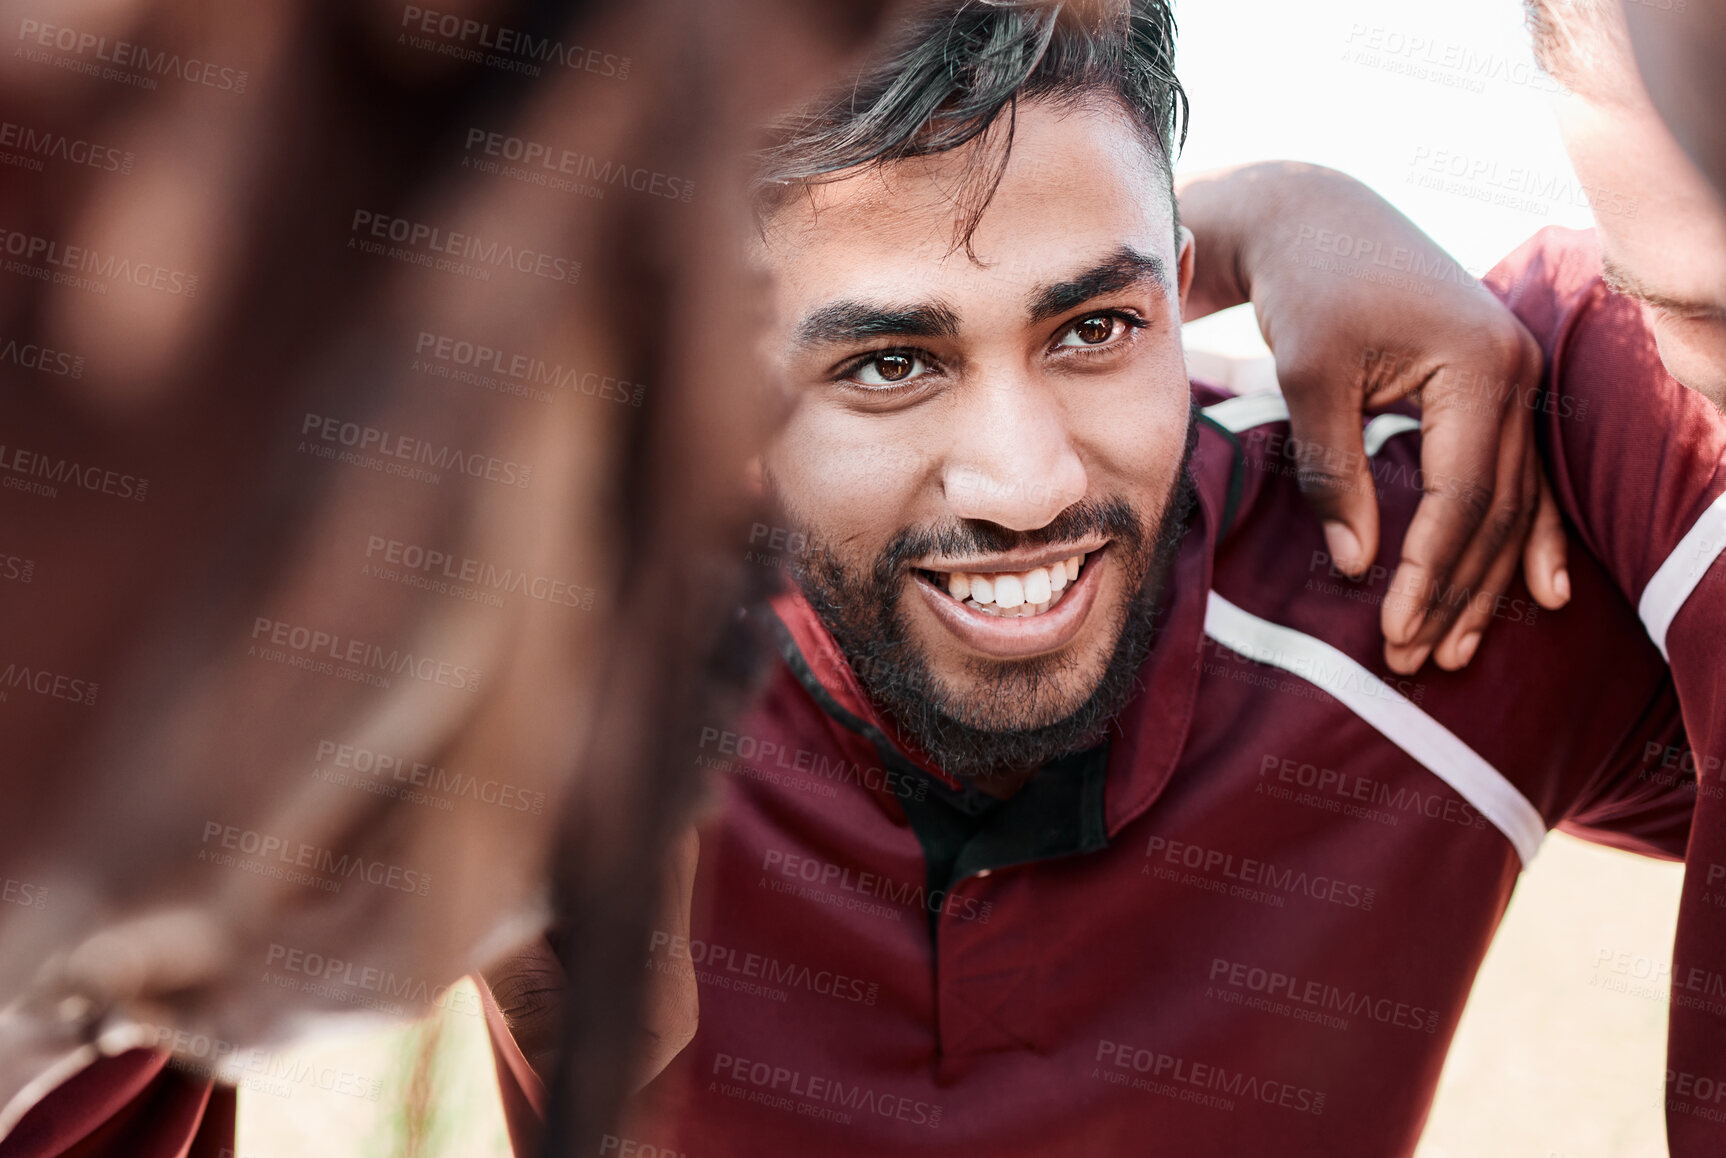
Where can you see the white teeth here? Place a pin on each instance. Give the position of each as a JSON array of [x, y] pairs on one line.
[[1014, 595], [1037, 586]]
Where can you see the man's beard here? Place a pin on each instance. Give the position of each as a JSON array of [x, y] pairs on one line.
[[966, 738]]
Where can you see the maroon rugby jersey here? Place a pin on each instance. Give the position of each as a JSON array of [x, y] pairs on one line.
[[133, 1105], [1639, 465], [1246, 924]]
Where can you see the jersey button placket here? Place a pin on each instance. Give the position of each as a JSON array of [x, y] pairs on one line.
[[979, 989]]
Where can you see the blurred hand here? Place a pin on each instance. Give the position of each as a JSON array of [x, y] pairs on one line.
[[1362, 309], [671, 1009], [529, 985], [225, 227]]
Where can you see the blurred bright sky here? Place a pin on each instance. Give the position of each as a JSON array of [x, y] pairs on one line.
[[1437, 106]]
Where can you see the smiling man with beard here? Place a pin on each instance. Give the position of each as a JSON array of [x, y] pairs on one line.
[[1082, 814], [993, 480], [1019, 699]]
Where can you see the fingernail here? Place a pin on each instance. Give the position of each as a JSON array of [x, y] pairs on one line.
[[1402, 630], [1561, 584], [1406, 663], [1344, 547], [1465, 649]]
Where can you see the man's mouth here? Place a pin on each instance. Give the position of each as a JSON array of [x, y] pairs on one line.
[[1011, 594]]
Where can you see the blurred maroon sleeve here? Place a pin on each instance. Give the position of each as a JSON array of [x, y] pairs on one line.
[[133, 1105], [519, 1088]]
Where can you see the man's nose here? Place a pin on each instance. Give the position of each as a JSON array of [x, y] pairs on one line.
[[1013, 463]]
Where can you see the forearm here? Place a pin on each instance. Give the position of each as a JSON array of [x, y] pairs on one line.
[[1248, 221], [1361, 309], [1217, 207]]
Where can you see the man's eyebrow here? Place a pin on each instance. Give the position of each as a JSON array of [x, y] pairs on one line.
[[1621, 281], [854, 321], [1123, 268]]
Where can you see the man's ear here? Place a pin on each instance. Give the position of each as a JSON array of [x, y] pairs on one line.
[[1184, 266]]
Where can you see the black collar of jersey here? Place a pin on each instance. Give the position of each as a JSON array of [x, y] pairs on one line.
[[1057, 812]]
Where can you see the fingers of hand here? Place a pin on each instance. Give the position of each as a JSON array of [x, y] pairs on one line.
[[680, 877], [1335, 475], [1470, 409], [1488, 601], [1455, 548], [1544, 559]]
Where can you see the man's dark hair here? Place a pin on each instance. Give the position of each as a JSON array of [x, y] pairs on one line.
[[957, 65]]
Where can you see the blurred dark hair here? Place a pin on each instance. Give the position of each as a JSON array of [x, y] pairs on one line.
[[955, 66]]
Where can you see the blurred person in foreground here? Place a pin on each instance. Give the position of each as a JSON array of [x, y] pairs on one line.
[[361, 532], [1081, 807]]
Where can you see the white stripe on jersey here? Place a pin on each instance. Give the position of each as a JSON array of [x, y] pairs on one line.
[[1386, 427], [1246, 411], [1436, 747], [1682, 571]]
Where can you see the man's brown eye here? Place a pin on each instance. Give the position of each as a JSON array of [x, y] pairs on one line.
[[1095, 331], [890, 368], [894, 367]]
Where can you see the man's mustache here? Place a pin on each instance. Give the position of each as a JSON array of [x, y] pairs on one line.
[[1112, 518]]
